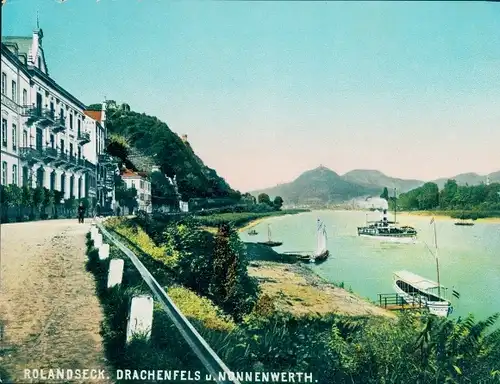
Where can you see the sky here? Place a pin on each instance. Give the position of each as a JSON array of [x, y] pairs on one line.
[[268, 90]]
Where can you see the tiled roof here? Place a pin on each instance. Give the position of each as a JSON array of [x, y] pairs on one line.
[[127, 173], [96, 115]]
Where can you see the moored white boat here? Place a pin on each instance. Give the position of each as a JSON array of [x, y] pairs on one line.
[[419, 290]]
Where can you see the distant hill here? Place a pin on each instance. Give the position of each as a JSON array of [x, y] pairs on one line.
[[373, 179], [319, 186], [322, 185], [469, 178]]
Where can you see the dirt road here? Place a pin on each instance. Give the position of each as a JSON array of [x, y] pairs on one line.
[[50, 313]]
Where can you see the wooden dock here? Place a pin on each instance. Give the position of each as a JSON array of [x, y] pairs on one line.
[[396, 302]]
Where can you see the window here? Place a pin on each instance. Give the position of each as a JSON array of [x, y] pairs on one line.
[[39, 62], [14, 91], [14, 137], [26, 177], [63, 183], [14, 174], [71, 121], [25, 139], [4, 132], [142, 197], [4, 172], [25, 97], [78, 124], [133, 183], [142, 185], [53, 180], [4, 83]]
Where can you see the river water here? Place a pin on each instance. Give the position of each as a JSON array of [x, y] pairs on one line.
[[469, 257]]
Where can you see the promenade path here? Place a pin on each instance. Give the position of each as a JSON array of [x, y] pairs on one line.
[[50, 313]]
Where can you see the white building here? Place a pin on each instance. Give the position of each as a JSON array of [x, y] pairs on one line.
[[95, 152], [138, 181], [45, 129]]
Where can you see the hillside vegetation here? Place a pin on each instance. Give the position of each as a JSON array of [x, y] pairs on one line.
[[467, 201], [137, 133]]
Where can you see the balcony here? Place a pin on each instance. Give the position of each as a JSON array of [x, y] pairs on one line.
[[105, 159], [44, 117], [49, 154], [80, 165], [31, 155], [71, 162], [88, 166], [61, 159], [83, 138], [59, 124]]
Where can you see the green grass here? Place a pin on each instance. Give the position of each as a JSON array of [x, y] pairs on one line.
[[240, 219]]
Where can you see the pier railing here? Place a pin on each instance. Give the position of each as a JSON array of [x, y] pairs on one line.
[[395, 301], [214, 365]]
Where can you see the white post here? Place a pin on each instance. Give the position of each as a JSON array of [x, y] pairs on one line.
[[98, 241], [104, 252], [140, 318], [115, 273], [93, 232]]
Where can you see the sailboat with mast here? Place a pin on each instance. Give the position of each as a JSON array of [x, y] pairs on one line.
[[388, 230], [270, 242], [421, 291], [321, 253]]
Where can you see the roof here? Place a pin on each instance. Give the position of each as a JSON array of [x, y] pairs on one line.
[[416, 281], [23, 43], [127, 173], [96, 115]]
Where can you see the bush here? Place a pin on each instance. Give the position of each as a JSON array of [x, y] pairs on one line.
[[201, 309]]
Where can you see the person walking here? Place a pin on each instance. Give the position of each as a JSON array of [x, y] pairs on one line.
[[98, 209], [81, 213]]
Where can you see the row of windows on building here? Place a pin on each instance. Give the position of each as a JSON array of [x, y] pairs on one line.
[[40, 175], [142, 185], [14, 135], [38, 144], [13, 90], [13, 97]]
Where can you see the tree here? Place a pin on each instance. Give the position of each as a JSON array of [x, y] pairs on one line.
[[58, 197], [249, 198], [263, 198], [48, 199], [27, 197], [38, 199], [4, 196], [385, 194], [278, 202], [15, 198], [131, 199], [231, 287], [162, 192]]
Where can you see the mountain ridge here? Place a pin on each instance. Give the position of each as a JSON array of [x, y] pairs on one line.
[[323, 185]]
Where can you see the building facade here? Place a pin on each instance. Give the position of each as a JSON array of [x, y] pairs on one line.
[[139, 181], [45, 130]]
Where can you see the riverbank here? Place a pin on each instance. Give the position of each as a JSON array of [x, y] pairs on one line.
[[443, 215], [242, 220], [296, 289]]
